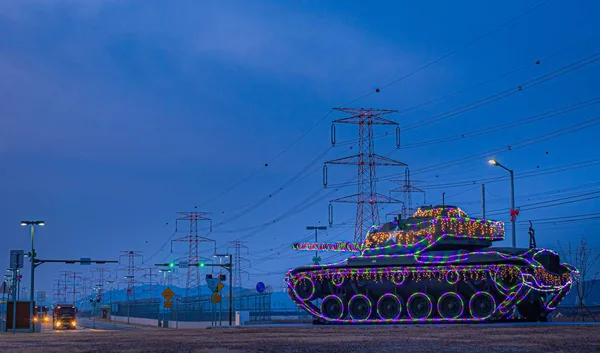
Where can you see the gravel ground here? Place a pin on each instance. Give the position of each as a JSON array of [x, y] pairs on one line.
[[451, 338]]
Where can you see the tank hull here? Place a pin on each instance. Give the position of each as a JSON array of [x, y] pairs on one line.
[[439, 286]]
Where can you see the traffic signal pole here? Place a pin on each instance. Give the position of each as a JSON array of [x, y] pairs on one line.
[[229, 268]]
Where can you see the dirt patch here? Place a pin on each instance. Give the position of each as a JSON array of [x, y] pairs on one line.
[[451, 338]]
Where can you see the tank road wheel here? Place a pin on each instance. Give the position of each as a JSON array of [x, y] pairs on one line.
[[450, 305], [419, 306], [360, 307], [305, 288], [332, 307], [532, 311], [389, 307], [482, 305]]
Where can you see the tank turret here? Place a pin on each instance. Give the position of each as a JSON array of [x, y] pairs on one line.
[[436, 266]]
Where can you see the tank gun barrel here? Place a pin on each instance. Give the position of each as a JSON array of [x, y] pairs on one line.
[[337, 246]]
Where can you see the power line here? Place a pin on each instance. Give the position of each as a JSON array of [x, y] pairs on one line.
[[439, 59], [477, 39], [534, 118], [524, 175], [588, 60], [527, 142], [553, 202]]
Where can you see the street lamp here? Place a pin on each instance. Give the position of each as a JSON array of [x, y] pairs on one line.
[[512, 199], [164, 272], [316, 259], [32, 225]]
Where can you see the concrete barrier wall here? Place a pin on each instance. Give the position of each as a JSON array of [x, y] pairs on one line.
[[154, 322], [136, 320]]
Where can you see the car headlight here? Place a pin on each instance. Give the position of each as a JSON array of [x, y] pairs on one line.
[[74, 323], [58, 323], [35, 319]]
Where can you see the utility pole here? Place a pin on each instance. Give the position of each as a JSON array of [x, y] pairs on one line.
[[14, 323], [513, 211], [32, 225], [367, 198], [110, 313], [483, 201], [316, 259]]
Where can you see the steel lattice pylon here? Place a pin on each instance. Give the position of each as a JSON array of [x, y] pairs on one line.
[[407, 189], [131, 270], [193, 240], [367, 198], [238, 245]]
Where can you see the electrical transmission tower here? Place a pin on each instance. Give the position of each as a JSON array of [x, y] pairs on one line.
[[131, 271], [65, 282], [149, 278], [100, 275], [193, 240], [238, 245], [367, 198], [407, 189], [57, 291], [75, 284]]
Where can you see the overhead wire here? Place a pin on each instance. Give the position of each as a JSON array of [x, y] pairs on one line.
[[411, 73]]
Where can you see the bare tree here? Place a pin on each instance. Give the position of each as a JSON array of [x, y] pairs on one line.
[[584, 260]]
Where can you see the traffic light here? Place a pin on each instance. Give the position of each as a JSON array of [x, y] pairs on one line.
[[209, 276], [172, 264], [202, 264], [222, 277]]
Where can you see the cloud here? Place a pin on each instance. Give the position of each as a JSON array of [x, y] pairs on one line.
[[94, 77]]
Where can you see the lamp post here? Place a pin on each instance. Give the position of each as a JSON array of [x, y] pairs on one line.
[[512, 199], [32, 225], [316, 229], [129, 288], [164, 272]]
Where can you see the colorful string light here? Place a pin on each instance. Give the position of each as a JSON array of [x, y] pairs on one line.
[[510, 278]]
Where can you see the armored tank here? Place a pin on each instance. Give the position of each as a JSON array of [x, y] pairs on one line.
[[436, 266]]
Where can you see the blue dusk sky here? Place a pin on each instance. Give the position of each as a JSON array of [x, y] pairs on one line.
[[118, 114]]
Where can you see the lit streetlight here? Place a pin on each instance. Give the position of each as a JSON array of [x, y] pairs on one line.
[[164, 272], [512, 199], [32, 225], [316, 259]]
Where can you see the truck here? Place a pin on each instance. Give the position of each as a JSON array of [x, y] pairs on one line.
[[41, 314], [63, 316]]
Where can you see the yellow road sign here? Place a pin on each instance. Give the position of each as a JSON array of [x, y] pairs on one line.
[[168, 304], [219, 287], [168, 294], [215, 298]]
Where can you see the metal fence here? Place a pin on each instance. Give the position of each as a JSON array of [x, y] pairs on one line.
[[198, 308]]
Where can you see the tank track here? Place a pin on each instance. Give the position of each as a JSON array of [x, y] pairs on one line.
[[421, 294]]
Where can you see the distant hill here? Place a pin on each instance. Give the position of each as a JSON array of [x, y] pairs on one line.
[[279, 300]]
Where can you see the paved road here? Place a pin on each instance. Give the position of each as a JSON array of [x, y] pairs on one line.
[[103, 325], [87, 325]]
